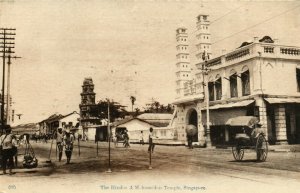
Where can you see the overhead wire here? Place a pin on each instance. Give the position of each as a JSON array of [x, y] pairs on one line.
[[257, 24], [217, 19], [250, 27], [271, 18]]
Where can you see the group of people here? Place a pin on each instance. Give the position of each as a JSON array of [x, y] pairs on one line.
[[124, 135], [64, 140], [150, 140], [8, 144], [41, 137]]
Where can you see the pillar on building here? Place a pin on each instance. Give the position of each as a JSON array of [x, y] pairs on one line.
[[239, 84], [262, 108], [291, 133], [293, 125], [280, 124], [180, 123], [201, 129], [226, 135]]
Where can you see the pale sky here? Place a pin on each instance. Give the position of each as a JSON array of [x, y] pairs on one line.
[[128, 47]]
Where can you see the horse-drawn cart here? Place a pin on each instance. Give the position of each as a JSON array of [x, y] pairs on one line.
[[249, 136]]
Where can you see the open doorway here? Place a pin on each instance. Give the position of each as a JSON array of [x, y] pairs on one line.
[[193, 120]]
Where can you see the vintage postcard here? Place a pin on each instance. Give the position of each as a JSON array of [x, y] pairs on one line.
[[143, 96]]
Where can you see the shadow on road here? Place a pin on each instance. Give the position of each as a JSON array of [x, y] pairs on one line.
[[246, 161]]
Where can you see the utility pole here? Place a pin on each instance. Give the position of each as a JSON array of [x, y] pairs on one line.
[[6, 43], [8, 98], [109, 136], [205, 70]]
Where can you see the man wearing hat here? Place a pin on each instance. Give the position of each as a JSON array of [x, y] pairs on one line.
[[59, 142], [7, 142], [68, 141]]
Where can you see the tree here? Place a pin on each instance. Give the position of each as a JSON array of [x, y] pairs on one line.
[[156, 107], [133, 99], [116, 110], [137, 112]]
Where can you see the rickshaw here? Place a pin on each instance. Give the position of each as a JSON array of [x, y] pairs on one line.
[[249, 135]]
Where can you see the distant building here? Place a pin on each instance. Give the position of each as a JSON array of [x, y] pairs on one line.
[[30, 128], [260, 78], [159, 122], [88, 109], [50, 125], [69, 121]]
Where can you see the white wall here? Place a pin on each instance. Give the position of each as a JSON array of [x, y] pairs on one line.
[[91, 133], [71, 118], [135, 127], [278, 77]]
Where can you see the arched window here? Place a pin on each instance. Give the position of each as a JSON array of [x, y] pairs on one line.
[[218, 87], [245, 76], [233, 84], [211, 91]]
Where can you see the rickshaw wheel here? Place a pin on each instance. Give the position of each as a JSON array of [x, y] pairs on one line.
[[261, 148], [238, 152]]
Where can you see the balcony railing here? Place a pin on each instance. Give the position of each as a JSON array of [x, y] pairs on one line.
[[236, 55], [254, 50], [290, 51]]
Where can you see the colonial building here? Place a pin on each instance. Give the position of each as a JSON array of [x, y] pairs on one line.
[[260, 78]]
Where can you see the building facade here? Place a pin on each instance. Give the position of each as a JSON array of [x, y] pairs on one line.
[[88, 105], [260, 78], [52, 123], [183, 68], [142, 123], [203, 36]]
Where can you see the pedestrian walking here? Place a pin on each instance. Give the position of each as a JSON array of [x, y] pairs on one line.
[[36, 136], [151, 141], [115, 139], [45, 138], [141, 138], [7, 142], [190, 141], [126, 139], [68, 142], [59, 143]]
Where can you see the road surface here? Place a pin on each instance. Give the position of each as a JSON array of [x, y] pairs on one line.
[[175, 169]]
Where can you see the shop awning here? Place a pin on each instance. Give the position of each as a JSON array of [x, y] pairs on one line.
[[220, 117], [248, 121], [282, 100], [231, 105]]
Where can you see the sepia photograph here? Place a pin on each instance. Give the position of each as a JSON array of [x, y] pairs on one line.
[[146, 96]]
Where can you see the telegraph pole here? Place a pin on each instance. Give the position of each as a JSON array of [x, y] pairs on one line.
[[109, 137], [8, 119], [205, 70], [7, 43]]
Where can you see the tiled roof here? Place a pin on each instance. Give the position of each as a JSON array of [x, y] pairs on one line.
[[157, 120], [155, 116], [24, 126]]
